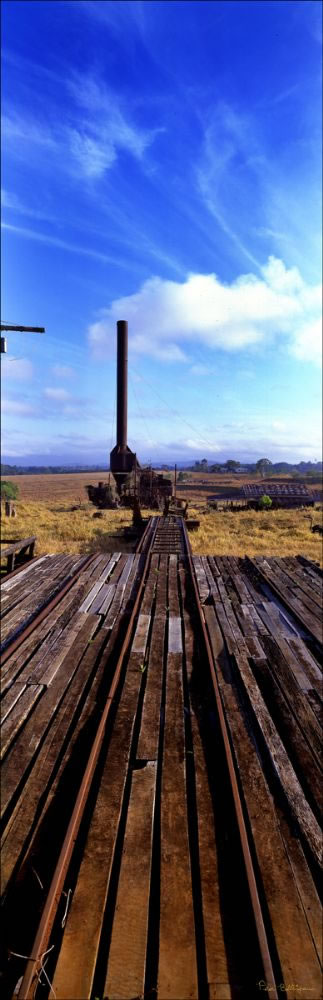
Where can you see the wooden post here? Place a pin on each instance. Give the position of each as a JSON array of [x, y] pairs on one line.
[[8, 508]]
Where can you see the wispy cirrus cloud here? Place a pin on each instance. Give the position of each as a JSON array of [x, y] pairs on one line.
[[16, 406], [63, 371], [10, 201], [55, 241], [16, 368], [88, 145], [257, 199], [251, 312], [59, 395]]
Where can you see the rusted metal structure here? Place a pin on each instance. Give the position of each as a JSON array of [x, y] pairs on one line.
[[122, 459], [132, 480], [281, 494]]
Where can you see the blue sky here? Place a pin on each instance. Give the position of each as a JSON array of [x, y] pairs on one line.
[[162, 164]]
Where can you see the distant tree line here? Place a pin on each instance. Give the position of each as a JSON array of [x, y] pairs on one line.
[[263, 467], [43, 470]]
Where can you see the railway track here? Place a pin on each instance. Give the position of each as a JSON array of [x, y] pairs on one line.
[[153, 876]]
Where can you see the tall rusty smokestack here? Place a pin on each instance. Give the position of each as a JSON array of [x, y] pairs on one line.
[[122, 459], [122, 383]]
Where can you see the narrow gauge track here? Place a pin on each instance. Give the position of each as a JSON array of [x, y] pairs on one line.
[[158, 863]]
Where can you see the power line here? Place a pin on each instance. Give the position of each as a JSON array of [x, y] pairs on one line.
[[175, 412]]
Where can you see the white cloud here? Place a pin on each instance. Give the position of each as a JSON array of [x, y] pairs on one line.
[[15, 406], [63, 371], [201, 370], [16, 368], [58, 395], [307, 344], [164, 316]]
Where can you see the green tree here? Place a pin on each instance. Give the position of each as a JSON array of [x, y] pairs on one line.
[[265, 502], [263, 466], [9, 491], [231, 465]]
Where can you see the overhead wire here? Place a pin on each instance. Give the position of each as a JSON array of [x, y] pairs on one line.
[[175, 412], [139, 410]]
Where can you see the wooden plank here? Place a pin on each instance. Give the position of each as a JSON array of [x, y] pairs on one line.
[[304, 762], [149, 730], [210, 578], [161, 594], [86, 606], [108, 598], [31, 650], [202, 581], [131, 587], [141, 635], [279, 758], [10, 699], [67, 718], [34, 585], [122, 573], [31, 736], [307, 662], [279, 657], [272, 619], [294, 664], [290, 925], [297, 579], [108, 566], [175, 644], [46, 671], [305, 576], [100, 598], [304, 881], [78, 955], [127, 956], [8, 584], [18, 716], [216, 953], [297, 607], [150, 585], [28, 610], [177, 972]]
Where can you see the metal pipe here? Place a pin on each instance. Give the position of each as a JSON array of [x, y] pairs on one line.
[[122, 383]]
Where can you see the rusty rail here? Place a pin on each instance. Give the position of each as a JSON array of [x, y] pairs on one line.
[[249, 867], [34, 963]]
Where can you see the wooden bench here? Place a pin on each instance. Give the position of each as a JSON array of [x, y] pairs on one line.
[[21, 548]]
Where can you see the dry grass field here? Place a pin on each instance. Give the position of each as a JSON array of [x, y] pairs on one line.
[[44, 510]]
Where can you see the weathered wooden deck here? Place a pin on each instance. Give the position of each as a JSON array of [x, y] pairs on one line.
[[156, 899]]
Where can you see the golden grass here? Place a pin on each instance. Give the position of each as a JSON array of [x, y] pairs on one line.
[[58, 529], [276, 533]]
